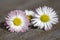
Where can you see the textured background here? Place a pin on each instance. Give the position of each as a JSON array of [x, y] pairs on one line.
[[32, 34]]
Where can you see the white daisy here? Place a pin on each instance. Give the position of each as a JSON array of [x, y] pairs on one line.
[[44, 18], [30, 14], [17, 21]]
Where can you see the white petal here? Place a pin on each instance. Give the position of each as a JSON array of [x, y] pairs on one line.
[[33, 22], [36, 24], [30, 12], [54, 20], [39, 11], [46, 27], [36, 15], [49, 25], [41, 25]]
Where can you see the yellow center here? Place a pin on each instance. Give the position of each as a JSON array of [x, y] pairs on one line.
[[17, 21], [44, 18], [30, 17]]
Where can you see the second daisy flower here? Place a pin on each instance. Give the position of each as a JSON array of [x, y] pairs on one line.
[[44, 18]]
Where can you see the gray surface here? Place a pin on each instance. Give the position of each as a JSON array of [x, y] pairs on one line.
[[36, 34]]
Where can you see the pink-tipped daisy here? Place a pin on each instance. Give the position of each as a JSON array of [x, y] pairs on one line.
[[17, 21], [44, 18]]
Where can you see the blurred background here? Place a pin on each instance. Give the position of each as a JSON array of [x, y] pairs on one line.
[[32, 34]]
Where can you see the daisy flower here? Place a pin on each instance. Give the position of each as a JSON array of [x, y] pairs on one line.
[[44, 18], [17, 21], [29, 14]]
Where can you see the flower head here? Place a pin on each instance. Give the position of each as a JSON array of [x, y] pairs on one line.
[[44, 18], [17, 21], [29, 14]]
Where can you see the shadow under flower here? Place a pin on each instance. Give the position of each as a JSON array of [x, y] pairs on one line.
[[3, 26], [32, 27]]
